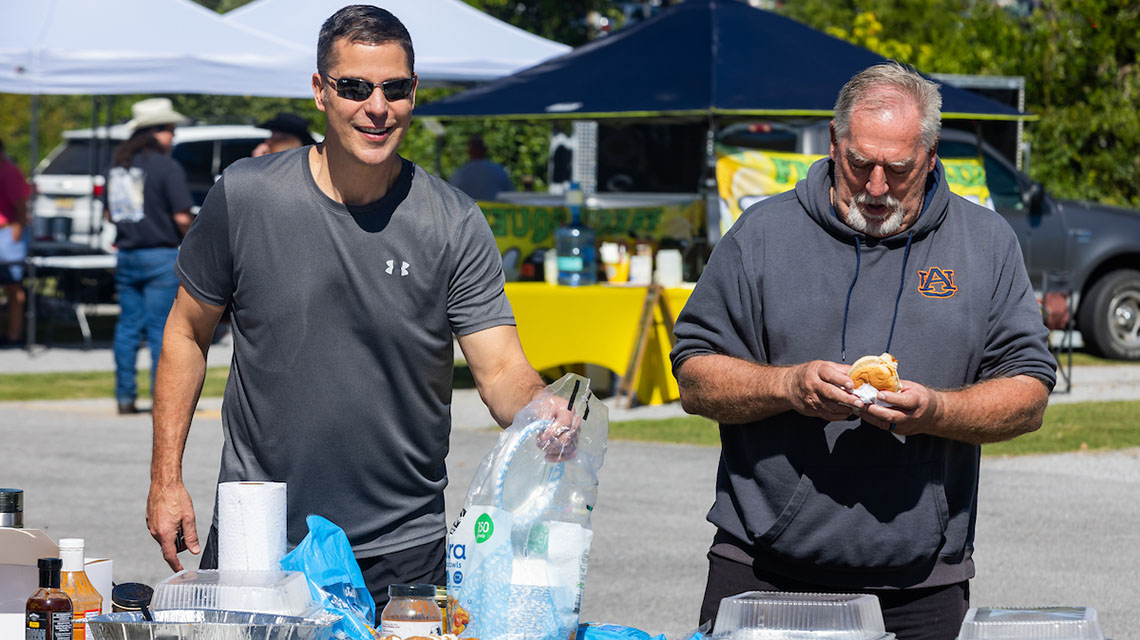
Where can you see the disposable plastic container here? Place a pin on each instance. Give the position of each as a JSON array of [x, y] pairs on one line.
[[1046, 623], [760, 615], [276, 592], [210, 625]]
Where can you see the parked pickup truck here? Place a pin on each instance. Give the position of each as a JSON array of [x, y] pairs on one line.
[[1077, 252], [1090, 250]]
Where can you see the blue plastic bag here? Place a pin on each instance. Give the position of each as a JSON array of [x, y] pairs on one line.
[[595, 631], [335, 581]]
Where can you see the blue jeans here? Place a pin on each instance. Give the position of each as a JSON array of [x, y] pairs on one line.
[[146, 284]]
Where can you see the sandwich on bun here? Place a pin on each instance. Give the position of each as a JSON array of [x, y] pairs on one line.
[[881, 372]]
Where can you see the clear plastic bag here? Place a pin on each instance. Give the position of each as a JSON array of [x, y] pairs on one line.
[[517, 553]]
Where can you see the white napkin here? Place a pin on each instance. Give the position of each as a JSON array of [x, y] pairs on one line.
[[870, 395]]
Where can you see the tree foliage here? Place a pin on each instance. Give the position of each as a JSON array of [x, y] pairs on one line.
[[1079, 58], [1084, 58]]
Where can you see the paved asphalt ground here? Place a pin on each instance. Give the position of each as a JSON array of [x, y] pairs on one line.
[[1052, 530]]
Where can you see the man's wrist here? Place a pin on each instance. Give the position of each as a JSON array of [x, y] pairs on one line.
[[788, 389], [166, 475]]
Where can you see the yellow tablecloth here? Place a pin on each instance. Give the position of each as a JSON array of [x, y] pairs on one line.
[[597, 324]]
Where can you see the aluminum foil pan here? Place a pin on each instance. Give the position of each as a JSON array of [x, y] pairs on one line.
[[210, 625]]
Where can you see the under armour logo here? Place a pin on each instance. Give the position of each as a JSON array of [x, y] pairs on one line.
[[392, 265]]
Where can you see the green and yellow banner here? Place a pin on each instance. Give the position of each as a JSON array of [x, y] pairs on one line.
[[747, 176]]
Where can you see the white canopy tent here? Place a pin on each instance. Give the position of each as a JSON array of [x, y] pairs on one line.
[[81, 47], [453, 41], [143, 46]]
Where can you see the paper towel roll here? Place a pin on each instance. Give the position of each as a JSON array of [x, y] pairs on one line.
[[251, 526]]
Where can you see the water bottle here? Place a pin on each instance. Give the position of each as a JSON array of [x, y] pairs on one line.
[[574, 245]]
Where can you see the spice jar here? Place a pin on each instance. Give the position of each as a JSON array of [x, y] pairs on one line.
[[130, 596], [12, 508], [411, 611]]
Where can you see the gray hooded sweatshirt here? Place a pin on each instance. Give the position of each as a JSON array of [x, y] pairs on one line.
[[845, 504]]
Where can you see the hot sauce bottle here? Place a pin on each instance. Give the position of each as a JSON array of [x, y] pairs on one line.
[[86, 602], [48, 611]]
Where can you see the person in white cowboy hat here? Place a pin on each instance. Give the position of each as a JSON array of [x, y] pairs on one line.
[[149, 202], [154, 113]]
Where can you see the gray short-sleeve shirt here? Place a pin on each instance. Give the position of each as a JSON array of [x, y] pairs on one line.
[[342, 319]]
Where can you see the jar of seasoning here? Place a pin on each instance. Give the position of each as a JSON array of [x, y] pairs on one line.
[[130, 596], [12, 508], [411, 611]]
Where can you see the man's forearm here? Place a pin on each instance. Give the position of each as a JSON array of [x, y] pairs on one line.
[[990, 411], [733, 391], [178, 385], [511, 390]]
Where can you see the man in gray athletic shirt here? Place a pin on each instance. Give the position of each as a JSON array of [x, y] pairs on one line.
[[348, 270]]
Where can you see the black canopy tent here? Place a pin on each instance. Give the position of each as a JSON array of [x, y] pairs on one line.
[[711, 58], [710, 62]]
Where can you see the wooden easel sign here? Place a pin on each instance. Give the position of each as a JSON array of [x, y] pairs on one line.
[[654, 299]]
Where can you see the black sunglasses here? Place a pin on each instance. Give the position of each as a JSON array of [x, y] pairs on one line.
[[359, 90]]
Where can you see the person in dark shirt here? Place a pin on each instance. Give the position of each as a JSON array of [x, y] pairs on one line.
[[481, 178], [149, 202]]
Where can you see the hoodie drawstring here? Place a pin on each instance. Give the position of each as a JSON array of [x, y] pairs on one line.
[[898, 296], [847, 305]]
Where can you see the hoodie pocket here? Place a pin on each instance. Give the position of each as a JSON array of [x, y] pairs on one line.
[[863, 518]]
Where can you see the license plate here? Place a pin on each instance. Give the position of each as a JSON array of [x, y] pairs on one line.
[[64, 203]]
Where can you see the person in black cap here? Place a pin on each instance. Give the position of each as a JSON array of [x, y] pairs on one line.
[[289, 130]]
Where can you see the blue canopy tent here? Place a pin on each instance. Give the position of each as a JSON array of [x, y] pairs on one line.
[[703, 58]]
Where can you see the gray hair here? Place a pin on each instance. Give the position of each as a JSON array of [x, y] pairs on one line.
[[865, 89]]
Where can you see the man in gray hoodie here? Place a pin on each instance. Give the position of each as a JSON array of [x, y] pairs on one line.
[[817, 490]]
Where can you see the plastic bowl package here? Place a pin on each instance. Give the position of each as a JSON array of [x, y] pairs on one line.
[[283, 593], [1045, 623], [761, 615], [210, 625]]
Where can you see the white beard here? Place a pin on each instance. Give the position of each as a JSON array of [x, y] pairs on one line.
[[858, 220]]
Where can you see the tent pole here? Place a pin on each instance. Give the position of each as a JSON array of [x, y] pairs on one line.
[[30, 226], [34, 142], [710, 193], [93, 168], [104, 144]]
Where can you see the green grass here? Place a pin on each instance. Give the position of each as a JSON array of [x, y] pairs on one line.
[[685, 430], [1081, 358], [16, 387], [1078, 426], [88, 384], [1067, 427]]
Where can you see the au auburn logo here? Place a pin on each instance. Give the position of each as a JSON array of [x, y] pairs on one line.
[[936, 282]]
